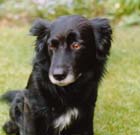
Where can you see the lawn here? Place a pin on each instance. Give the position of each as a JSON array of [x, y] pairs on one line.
[[118, 105]]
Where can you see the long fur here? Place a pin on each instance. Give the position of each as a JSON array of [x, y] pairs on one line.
[[67, 110]]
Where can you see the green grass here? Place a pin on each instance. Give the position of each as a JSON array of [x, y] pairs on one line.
[[16, 51], [118, 105]]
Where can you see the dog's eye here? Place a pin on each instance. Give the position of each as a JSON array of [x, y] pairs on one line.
[[52, 47], [53, 44], [75, 46]]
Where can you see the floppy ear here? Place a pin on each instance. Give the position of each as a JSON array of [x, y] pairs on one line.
[[103, 36], [40, 29]]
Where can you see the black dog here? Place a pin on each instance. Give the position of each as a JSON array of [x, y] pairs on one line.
[[71, 55]]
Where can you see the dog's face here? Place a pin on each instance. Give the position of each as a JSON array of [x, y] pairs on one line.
[[64, 51], [70, 44]]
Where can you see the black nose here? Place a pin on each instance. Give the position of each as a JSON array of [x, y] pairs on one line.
[[59, 74], [59, 77]]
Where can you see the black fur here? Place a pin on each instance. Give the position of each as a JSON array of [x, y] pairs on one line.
[[9, 96], [48, 101]]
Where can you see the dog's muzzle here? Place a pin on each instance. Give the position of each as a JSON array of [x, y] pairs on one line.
[[61, 78]]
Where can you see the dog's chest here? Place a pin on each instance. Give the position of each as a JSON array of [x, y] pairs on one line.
[[66, 119]]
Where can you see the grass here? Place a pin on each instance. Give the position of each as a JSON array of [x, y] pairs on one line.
[[118, 108], [118, 105], [16, 51]]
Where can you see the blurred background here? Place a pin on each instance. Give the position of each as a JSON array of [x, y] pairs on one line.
[[118, 104], [121, 12]]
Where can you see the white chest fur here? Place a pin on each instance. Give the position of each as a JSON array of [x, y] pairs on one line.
[[65, 119]]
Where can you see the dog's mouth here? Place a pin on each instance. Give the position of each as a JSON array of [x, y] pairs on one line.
[[64, 81]]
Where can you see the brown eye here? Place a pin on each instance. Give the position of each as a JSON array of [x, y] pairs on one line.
[[76, 46], [51, 47]]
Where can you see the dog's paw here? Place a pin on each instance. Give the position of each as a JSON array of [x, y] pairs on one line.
[[10, 128]]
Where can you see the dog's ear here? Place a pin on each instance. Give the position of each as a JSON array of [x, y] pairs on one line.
[[103, 36], [40, 29]]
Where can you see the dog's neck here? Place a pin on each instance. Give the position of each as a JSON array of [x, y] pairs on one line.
[[68, 95]]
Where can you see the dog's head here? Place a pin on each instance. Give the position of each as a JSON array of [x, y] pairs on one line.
[[71, 45]]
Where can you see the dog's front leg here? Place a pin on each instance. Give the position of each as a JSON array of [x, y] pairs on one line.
[[28, 119], [21, 119]]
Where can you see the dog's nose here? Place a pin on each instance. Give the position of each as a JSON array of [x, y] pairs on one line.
[[59, 77], [59, 74]]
